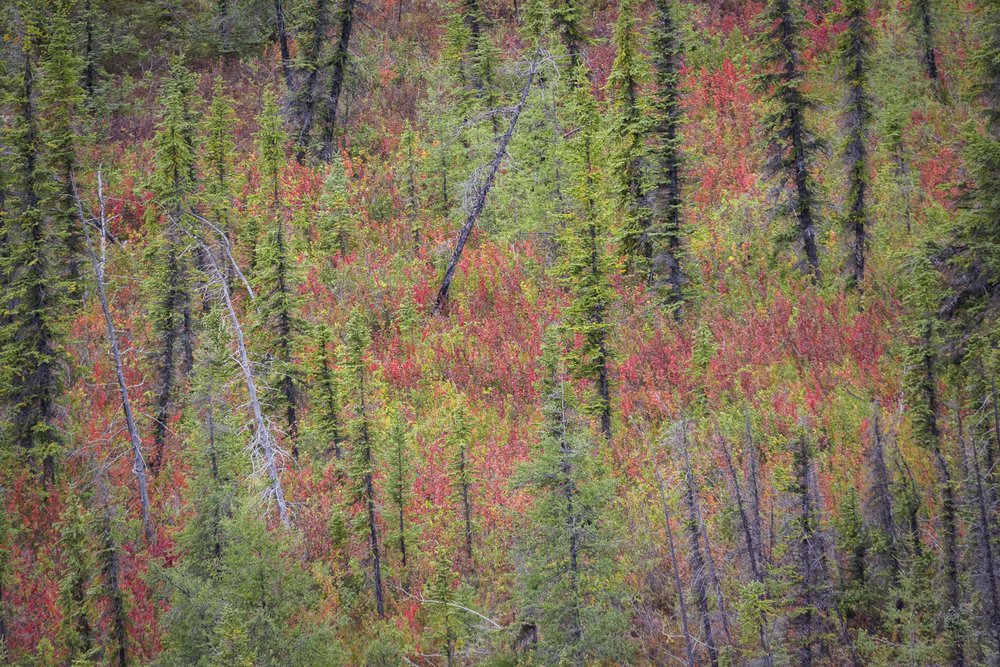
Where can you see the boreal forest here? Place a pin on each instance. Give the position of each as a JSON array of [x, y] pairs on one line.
[[435, 333]]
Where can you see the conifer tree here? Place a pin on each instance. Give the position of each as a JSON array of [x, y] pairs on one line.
[[855, 46], [358, 388], [585, 269], [922, 16], [409, 143], [218, 162], [338, 63], [333, 226], [169, 284], [313, 20], [276, 303], [627, 135], [460, 472], [33, 289], [791, 144], [567, 23], [398, 481], [665, 189], [446, 620], [60, 96], [327, 398], [569, 587], [76, 587]]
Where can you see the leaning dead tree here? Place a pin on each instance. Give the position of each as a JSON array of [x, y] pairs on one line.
[[138, 463], [263, 440], [480, 201]]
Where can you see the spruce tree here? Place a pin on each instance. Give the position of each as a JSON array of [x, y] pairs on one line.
[[334, 223], [169, 284], [855, 47], [76, 587], [570, 584], [446, 620], [312, 22], [792, 146], [358, 390], [460, 472], [327, 395], [276, 304], [585, 269], [33, 288], [665, 188], [218, 164], [922, 17], [338, 65], [627, 135], [399, 481]]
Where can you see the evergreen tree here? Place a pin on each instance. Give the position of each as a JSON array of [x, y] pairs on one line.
[[922, 16], [398, 481], [567, 23], [585, 269], [446, 619], [334, 223], [33, 288], [60, 97], [791, 144], [569, 587], [627, 133], [855, 46], [665, 189], [312, 23], [276, 302], [169, 284], [76, 587], [358, 388], [338, 65], [327, 398], [461, 473], [218, 164]]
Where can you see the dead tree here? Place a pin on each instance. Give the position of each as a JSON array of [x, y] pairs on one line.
[[264, 439], [681, 602], [477, 207], [138, 464], [698, 568]]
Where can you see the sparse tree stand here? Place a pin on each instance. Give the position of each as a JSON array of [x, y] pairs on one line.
[[345, 16], [791, 145], [663, 243], [483, 191], [855, 47], [356, 382]]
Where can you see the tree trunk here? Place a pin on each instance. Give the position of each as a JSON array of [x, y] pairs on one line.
[[337, 79], [682, 604], [138, 464], [477, 208]]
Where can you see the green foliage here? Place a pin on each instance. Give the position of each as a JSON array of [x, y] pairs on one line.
[[255, 611], [335, 223], [77, 585], [571, 583]]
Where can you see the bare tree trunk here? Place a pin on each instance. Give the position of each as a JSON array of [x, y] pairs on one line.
[[477, 207], [983, 508], [695, 555], [262, 433], [138, 464], [688, 640]]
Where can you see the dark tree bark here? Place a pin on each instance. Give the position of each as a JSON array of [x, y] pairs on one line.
[[477, 208], [282, 35], [306, 98], [337, 79]]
